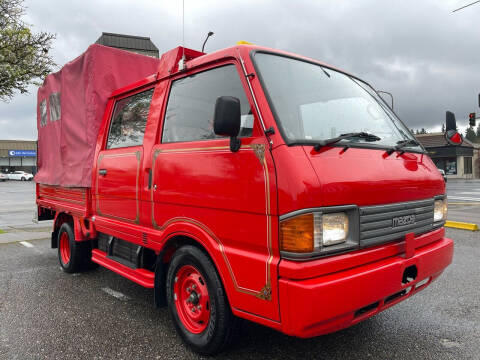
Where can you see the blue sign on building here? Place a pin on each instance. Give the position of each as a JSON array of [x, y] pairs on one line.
[[22, 153]]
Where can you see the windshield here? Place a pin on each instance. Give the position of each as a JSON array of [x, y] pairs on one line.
[[315, 103]]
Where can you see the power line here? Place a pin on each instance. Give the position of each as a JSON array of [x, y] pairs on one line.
[[463, 7]]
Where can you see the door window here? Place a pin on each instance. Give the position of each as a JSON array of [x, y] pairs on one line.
[[191, 105], [129, 119]]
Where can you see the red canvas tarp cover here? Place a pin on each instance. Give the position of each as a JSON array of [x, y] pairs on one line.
[[73, 102]]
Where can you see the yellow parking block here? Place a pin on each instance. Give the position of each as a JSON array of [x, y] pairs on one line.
[[461, 225]]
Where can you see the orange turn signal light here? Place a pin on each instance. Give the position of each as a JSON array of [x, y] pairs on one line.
[[296, 234]]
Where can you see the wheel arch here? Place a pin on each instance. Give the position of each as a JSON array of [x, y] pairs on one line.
[[58, 221], [174, 241]]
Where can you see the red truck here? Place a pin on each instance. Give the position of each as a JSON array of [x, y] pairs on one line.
[[246, 183]]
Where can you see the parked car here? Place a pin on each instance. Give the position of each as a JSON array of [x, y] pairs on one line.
[[20, 175], [3, 177], [443, 174]]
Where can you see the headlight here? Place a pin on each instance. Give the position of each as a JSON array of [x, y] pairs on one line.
[[334, 228], [440, 210], [315, 233]]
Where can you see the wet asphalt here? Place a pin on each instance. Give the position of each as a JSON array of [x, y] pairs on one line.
[[48, 314]]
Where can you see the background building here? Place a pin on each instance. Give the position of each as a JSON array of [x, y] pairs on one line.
[[18, 155], [457, 161], [137, 44]]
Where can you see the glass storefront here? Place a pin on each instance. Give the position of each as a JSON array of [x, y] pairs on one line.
[[449, 165], [10, 164]]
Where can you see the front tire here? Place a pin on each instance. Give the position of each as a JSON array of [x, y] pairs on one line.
[[74, 256], [197, 302]]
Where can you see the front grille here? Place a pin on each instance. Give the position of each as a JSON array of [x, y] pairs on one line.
[[376, 222]]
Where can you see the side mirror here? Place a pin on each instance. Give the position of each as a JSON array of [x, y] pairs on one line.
[[226, 119]]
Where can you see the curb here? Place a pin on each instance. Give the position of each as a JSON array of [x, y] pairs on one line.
[[461, 225]]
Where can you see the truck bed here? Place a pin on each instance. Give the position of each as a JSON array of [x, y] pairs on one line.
[[74, 200]]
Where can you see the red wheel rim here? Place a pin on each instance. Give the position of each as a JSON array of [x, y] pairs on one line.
[[64, 248], [192, 301]]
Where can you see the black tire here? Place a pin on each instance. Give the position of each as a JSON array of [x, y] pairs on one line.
[[222, 324], [23, 179], [80, 252]]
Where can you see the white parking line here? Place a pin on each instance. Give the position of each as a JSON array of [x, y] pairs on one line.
[[26, 244], [115, 294], [464, 198]]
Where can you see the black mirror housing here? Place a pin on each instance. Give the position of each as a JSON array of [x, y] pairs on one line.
[[226, 119]]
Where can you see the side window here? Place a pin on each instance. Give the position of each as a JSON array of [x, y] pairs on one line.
[[43, 113], [55, 107], [129, 119], [189, 114]]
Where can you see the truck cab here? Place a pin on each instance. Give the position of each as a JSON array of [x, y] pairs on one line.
[[259, 184]]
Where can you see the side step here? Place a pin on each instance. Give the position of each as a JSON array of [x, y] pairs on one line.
[[140, 276]]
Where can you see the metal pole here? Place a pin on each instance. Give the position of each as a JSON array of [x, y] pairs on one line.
[[210, 33]]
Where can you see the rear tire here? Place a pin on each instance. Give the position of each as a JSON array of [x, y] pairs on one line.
[[197, 302], [23, 179], [74, 256]]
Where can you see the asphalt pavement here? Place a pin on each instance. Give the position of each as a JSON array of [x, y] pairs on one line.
[[464, 201], [463, 190], [46, 313], [17, 209]]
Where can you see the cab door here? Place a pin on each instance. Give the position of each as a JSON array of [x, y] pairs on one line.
[[119, 164], [231, 196]]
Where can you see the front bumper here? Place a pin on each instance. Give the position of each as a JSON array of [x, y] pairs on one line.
[[339, 299]]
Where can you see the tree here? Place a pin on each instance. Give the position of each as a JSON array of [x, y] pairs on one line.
[[478, 132], [24, 58], [470, 134], [423, 131], [443, 128]]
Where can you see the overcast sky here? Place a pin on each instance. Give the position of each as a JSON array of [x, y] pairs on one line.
[[420, 51]]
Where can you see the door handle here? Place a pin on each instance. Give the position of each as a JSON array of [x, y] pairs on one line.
[[102, 172]]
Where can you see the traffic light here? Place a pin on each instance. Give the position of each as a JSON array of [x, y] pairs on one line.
[[471, 119]]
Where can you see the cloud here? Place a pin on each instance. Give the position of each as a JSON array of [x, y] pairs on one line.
[[420, 51]]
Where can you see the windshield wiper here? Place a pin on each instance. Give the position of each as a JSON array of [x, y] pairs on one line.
[[362, 135], [401, 144]]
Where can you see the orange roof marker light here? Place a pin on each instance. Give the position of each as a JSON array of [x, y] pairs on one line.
[[243, 42]]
